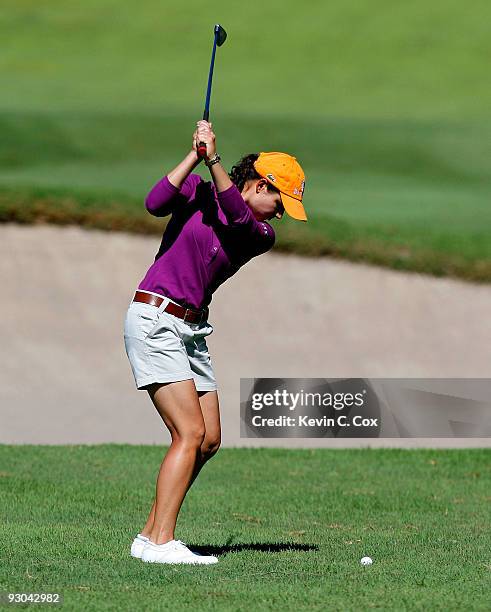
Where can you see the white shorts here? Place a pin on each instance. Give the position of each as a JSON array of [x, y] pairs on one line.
[[163, 348]]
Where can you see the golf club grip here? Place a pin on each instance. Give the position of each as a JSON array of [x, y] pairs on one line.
[[202, 149], [202, 145]]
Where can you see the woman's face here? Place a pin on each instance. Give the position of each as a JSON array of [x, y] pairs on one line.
[[265, 203]]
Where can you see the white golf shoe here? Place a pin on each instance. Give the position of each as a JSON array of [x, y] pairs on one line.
[[174, 551], [138, 546]]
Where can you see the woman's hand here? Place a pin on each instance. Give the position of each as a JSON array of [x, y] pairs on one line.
[[204, 133]]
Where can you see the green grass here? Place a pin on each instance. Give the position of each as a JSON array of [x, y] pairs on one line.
[[386, 105], [290, 527], [379, 59]]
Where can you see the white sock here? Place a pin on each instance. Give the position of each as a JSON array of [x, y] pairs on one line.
[[142, 537]]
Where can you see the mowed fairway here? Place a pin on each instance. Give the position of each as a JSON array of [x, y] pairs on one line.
[[290, 527], [387, 106]]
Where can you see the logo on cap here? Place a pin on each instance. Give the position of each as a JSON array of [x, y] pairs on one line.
[[271, 177], [299, 191]]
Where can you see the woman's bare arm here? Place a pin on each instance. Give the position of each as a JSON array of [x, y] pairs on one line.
[[179, 174]]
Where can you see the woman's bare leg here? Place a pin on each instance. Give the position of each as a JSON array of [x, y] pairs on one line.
[[179, 407], [211, 415]]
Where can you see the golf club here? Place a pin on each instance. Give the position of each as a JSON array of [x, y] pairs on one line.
[[219, 38]]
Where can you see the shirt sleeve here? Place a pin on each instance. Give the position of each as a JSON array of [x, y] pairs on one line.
[[164, 196], [239, 215]]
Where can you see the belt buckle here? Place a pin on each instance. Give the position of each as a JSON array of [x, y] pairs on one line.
[[195, 312]]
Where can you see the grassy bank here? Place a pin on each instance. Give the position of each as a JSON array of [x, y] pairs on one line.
[[387, 109]]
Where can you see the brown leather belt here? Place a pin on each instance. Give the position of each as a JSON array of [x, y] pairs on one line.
[[187, 314]]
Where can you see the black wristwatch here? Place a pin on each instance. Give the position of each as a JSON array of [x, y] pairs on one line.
[[213, 160]]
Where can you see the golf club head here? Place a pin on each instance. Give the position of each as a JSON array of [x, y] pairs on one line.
[[220, 34]]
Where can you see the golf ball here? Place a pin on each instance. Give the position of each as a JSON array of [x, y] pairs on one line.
[[366, 561]]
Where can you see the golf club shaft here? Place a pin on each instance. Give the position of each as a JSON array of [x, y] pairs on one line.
[[206, 113]]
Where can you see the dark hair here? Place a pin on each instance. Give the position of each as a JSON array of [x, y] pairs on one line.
[[244, 171]]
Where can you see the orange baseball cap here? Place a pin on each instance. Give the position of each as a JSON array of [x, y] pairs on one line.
[[285, 173]]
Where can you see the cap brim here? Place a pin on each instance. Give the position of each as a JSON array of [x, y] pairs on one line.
[[293, 207]]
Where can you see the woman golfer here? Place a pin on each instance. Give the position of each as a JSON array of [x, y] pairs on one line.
[[215, 228]]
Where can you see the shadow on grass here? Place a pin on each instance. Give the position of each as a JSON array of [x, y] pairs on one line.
[[269, 548]]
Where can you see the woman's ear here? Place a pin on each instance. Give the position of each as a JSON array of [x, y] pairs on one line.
[[261, 185]]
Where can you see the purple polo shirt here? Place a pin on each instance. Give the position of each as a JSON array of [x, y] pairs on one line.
[[207, 239]]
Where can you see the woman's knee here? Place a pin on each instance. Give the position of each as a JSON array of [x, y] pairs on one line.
[[210, 447], [192, 436]]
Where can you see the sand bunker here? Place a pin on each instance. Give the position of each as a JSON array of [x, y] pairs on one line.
[[65, 377]]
